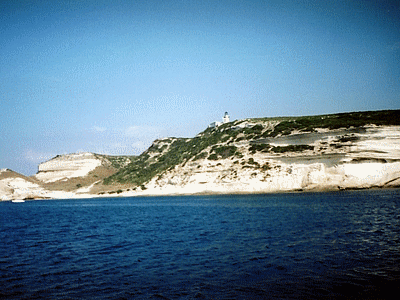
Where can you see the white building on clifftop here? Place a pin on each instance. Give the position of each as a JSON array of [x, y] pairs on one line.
[[225, 119]]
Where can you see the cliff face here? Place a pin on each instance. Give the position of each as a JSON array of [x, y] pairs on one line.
[[67, 166], [323, 160], [344, 151]]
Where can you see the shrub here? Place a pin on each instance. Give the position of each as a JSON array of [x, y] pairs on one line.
[[252, 162], [291, 148], [222, 152], [259, 147], [240, 139], [347, 138], [266, 167], [256, 129], [213, 157], [201, 155]]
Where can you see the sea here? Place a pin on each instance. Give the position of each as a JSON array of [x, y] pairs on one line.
[[334, 245]]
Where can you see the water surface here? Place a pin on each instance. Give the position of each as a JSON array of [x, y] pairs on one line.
[[296, 246]]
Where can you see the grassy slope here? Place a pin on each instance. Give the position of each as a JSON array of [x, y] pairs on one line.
[[216, 144]]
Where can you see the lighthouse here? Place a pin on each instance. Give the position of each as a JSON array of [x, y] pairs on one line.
[[226, 118]]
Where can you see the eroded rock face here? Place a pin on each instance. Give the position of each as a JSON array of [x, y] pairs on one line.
[[67, 166], [14, 186], [64, 176], [341, 159], [5, 191]]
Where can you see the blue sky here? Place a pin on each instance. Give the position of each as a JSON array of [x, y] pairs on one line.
[[111, 76]]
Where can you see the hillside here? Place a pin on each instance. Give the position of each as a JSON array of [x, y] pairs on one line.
[[327, 152], [64, 176], [262, 145], [70, 172]]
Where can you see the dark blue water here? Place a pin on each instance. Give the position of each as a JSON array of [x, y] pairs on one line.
[[318, 245]]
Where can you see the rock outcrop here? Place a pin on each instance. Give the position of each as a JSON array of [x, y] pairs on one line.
[[64, 167], [62, 177], [16, 186]]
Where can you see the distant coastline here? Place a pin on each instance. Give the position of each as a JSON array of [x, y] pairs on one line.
[[326, 153]]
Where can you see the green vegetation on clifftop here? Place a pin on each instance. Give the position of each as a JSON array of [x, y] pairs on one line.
[[154, 161], [335, 121]]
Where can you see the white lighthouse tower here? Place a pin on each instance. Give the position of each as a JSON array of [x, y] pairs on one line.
[[226, 118]]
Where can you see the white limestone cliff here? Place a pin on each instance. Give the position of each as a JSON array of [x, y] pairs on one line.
[[368, 159], [67, 166], [58, 169]]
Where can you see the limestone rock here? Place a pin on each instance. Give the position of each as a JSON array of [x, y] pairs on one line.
[[67, 166]]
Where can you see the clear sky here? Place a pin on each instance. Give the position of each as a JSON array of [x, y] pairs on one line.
[[111, 76]]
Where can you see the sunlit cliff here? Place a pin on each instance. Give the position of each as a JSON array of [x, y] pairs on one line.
[[313, 153]]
